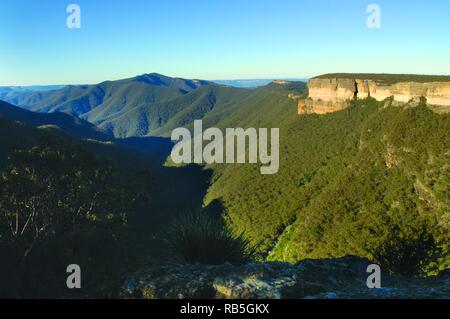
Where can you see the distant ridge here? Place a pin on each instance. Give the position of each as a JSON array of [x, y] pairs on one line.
[[136, 106], [253, 83], [70, 124]]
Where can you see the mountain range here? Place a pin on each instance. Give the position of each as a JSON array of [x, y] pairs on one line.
[[145, 105], [369, 180], [251, 84], [131, 107]]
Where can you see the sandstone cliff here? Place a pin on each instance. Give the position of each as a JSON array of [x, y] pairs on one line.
[[328, 95]]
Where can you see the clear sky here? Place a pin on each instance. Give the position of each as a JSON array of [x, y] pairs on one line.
[[218, 39]]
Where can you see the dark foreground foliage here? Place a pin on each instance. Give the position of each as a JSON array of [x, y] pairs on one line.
[[60, 205], [202, 238]]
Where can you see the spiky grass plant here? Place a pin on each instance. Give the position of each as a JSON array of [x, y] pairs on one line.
[[202, 238]]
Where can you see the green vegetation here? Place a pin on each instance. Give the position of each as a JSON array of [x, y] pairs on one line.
[[69, 124], [371, 181], [202, 238], [161, 118], [341, 190], [59, 204], [347, 182], [132, 107], [105, 257], [407, 249], [393, 191], [146, 105], [387, 79]]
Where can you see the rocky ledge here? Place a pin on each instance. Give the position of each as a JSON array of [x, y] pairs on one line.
[[326, 95], [311, 279]]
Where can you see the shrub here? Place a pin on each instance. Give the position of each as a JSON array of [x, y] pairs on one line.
[[408, 255], [203, 238], [60, 204]]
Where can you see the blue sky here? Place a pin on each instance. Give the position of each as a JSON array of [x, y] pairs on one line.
[[218, 39]]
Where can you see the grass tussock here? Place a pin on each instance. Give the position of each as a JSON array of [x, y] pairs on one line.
[[202, 238]]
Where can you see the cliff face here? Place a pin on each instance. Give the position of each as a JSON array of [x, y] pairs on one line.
[[328, 95]]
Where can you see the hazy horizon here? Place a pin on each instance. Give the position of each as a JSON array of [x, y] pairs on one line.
[[219, 81]]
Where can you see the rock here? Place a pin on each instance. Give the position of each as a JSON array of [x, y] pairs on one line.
[[329, 295], [310, 279], [310, 106], [328, 95]]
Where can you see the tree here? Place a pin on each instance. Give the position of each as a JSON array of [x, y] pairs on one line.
[[57, 190]]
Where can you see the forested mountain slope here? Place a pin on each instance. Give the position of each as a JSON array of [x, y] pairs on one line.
[[372, 180], [70, 124], [145, 105]]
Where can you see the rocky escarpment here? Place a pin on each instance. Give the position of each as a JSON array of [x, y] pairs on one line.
[[328, 95], [310, 279]]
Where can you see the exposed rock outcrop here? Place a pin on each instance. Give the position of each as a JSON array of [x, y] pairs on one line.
[[328, 95], [310, 279], [310, 106]]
